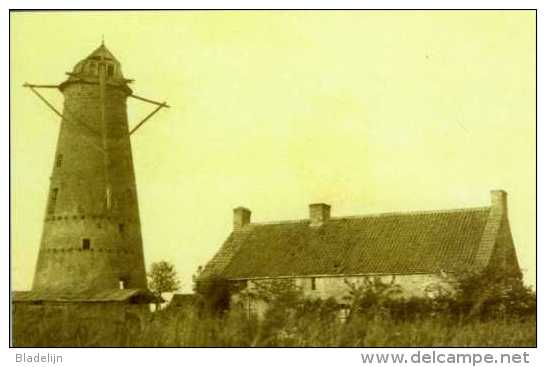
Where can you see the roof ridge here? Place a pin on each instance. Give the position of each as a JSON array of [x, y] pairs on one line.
[[385, 214]]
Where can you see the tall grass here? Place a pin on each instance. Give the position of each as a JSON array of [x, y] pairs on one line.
[[189, 328]]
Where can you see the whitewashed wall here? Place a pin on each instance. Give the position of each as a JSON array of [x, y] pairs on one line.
[[418, 285]]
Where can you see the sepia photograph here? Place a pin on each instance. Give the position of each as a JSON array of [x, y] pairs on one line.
[[273, 178]]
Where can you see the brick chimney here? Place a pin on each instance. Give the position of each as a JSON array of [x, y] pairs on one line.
[[241, 217], [498, 201], [319, 213]]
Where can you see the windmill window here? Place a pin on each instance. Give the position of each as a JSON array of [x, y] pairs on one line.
[[59, 161], [86, 244], [110, 70], [121, 228], [108, 198], [129, 196], [93, 68], [313, 284], [53, 200]]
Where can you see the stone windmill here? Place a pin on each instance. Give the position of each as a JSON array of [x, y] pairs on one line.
[[91, 240]]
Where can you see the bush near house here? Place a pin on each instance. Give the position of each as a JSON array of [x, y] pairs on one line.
[[214, 295]]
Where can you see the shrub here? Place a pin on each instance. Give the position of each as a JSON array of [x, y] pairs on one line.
[[493, 295], [214, 294], [371, 296]]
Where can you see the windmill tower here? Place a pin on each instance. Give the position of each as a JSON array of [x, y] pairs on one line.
[[91, 238]]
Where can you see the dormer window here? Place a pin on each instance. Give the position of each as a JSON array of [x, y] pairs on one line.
[[93, 68]]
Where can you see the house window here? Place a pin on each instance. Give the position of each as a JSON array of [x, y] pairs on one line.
[[344, 313], [121, 228], [313, 284], [86, 244], [53, 200], [59, 161], [122, 283]]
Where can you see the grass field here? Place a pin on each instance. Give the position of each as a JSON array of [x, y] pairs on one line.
[[187, 329]]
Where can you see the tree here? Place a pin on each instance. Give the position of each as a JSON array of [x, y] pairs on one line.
[[162, 278]]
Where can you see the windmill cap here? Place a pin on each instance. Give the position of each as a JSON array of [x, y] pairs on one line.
[[89, 65]]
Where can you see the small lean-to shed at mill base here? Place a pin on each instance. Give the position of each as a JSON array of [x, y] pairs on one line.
[[102, 316], [416, 250], [108, 305]]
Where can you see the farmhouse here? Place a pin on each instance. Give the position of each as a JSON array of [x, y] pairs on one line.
[[419, 251]]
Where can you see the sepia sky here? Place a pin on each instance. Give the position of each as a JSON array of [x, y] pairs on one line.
[[367, 111]]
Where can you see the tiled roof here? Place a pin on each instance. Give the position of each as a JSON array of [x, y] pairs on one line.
[[395, 243]]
